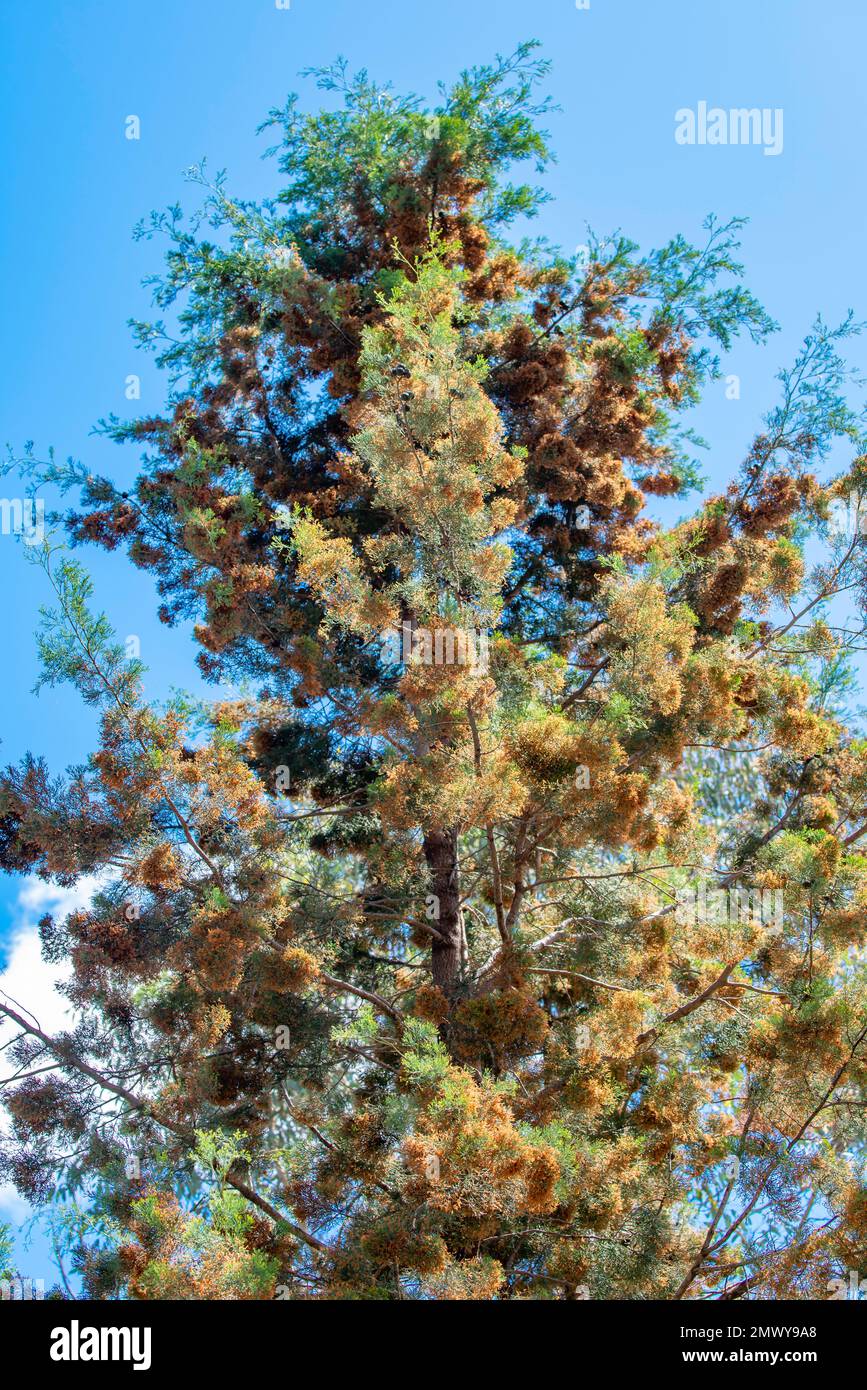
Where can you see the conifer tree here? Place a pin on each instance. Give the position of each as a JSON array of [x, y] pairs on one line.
[[497, 930]]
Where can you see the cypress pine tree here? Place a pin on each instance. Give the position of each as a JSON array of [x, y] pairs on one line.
[[503, 940]]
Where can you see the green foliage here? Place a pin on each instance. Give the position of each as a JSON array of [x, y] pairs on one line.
[[5, 1251], [425, 1060], [77, 646]]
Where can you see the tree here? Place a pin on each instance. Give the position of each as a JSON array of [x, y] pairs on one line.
[[497, 936]]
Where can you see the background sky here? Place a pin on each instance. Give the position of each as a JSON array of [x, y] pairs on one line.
[[202, 74]]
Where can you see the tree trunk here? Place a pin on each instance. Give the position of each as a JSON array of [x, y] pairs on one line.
[[441, 853]]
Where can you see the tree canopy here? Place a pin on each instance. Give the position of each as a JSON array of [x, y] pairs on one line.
[[497, 930]]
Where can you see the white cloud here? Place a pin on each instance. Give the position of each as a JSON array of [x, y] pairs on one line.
[[27, 978], [29, 983]]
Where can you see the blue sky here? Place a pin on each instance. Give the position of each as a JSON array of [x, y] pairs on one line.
[[201, 75]]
